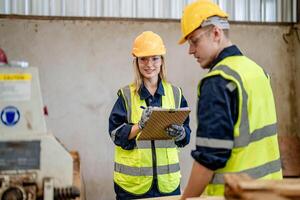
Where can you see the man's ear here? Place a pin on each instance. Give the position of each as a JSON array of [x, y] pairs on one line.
[[217, 34]]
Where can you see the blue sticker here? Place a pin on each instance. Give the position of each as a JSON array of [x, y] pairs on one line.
[[10, 115]]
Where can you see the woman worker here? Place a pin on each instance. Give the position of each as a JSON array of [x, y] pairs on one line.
[[146, 168]]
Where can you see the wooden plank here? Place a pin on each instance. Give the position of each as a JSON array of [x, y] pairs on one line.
[[261, 196], [207, 198], [243, 187]]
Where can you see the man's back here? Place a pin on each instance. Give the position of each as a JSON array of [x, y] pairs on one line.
[[255, 148]]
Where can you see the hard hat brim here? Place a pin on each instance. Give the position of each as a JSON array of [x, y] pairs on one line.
[[182, 40]]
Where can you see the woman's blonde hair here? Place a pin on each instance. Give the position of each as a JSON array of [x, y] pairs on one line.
[[138, 77]]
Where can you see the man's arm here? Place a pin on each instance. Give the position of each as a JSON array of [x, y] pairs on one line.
[[217, 111], [199, 178]]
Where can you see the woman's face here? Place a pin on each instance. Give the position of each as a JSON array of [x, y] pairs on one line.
[[149, 66]]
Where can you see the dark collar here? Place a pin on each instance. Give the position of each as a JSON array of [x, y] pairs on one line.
[[226, 52], [144, 93]]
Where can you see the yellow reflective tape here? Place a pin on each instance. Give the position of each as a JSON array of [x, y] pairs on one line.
[[15, 77]]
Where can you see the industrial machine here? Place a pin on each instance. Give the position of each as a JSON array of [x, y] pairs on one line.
[[33, 163]]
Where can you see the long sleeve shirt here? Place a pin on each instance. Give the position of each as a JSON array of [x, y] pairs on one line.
[[118, 118], [216, 114]]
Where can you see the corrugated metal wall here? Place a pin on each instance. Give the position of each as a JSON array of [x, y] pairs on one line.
[[239, 10]]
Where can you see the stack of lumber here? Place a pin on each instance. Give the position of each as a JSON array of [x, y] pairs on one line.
[[242, 187]]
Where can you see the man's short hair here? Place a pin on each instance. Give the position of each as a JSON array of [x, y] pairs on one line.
[[216, 21]]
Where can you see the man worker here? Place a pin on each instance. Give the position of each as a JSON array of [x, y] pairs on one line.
[[236, 114]]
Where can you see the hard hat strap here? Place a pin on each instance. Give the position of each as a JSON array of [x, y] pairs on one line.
[[217, 21]]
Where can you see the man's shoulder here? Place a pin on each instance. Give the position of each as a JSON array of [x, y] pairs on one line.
[[215, 79], [216, 82]]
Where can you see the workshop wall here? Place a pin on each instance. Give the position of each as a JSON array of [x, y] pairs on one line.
[[83, 63]]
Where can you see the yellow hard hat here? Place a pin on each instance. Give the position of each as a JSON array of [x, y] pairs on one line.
[[196, 13], [148, 44]]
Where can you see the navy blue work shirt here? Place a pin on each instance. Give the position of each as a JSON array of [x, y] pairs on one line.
[[118, 118], [217, 113]]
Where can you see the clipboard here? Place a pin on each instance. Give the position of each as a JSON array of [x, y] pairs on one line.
[[159, 120]]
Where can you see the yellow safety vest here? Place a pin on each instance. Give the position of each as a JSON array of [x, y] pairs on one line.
[[255, 148], [133, 170]]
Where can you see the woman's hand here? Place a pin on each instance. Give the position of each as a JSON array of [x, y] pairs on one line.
[[145, 117], [176, 131]]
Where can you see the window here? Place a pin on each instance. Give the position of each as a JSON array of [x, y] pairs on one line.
[[239, 10]]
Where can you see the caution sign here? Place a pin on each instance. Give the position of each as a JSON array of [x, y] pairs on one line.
[[15, 87], [15, 77]]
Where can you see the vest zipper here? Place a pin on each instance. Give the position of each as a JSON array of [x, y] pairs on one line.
[[154, 160]]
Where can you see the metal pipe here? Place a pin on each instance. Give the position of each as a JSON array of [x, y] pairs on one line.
[[27, 10], [63, 7], [263, 11], [135, 8], [278, 10], [247, 10], [14, 7], [7, 5], [285, 10], [298, 11]]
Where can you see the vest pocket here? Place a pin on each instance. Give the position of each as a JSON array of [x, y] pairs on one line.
[[128, 169], [172, 154], [128, 176], [126, 181]]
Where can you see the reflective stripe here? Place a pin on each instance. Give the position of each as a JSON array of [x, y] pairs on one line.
[[257, 135], [214, 143], [167, 169], [244, 126], [177, 96], [144, 144], [245, 137], [133, 171], [113, 133], [231, 86], [256, 172], [165, 144], [127, 96], [146, 171]]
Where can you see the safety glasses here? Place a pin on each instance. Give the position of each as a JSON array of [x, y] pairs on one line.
[[151, 59]]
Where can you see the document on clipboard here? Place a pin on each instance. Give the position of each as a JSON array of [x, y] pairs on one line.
[[159, 120]]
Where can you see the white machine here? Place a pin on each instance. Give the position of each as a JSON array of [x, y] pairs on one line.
[[33, 164]]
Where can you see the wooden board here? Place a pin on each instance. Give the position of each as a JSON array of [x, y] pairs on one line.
[[207, 198], [159, 120], [242, 186]]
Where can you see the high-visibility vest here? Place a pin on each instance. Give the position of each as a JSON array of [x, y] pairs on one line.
[[133, 170], [255, 148]]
